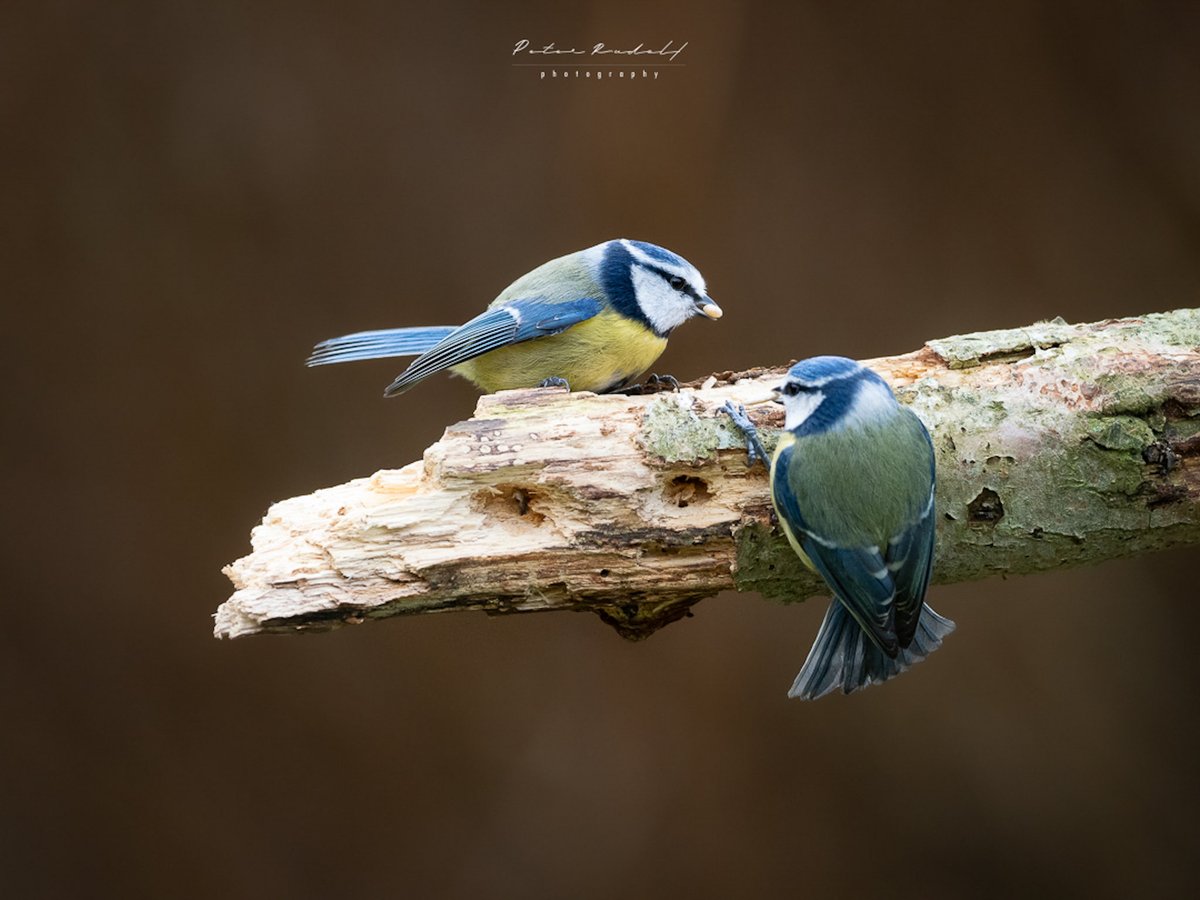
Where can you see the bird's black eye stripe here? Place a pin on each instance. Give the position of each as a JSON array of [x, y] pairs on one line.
[[677, 282]]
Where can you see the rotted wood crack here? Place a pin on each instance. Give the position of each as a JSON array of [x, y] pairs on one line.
[[1056, 445]]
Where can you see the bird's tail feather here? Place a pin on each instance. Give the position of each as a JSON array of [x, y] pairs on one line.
[[377, 344], [844, 657]]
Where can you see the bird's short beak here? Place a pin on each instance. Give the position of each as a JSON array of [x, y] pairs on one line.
[[778, 398], [706, 307]]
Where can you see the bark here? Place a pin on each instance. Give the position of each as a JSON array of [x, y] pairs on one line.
[[1056, 445]]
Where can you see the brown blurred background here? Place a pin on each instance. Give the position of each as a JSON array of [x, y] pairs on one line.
[[195, 193]]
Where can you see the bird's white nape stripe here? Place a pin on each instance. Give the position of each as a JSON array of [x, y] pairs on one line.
[[821, 382], [686, 272], [594, 256], [799, 407], [872, 401], [647, 260]]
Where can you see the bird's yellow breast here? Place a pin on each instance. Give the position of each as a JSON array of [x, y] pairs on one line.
[[599, 354]]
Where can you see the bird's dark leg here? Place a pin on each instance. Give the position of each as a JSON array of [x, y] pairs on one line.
[[669, 381], [655, 384], [755, 451], [555, 382]]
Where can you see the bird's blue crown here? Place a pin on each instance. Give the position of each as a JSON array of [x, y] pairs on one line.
[[833, 391], [818, 371]]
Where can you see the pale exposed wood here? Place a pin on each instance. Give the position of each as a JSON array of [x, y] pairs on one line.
[[1057, 444]]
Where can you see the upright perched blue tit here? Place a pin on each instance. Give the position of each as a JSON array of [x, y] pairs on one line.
[[593, 320], [852, 481]]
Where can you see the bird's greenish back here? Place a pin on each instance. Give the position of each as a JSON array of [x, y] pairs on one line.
[[862, 484], [565, 278]]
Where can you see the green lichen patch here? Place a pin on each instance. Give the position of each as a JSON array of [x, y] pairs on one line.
[[767, 563], [1110, 475], [672, 430], [1130, 394], [1120, 433], [1175, 329]]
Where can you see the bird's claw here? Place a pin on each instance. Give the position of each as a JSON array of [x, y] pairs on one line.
[[555, 382], [755, 452], [657, 381], [655, 384]]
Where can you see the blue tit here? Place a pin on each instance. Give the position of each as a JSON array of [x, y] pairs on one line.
[[852, 481], [593, 320]]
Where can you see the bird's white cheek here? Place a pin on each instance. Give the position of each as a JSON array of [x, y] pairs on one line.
[[797, 409], [665, 308]]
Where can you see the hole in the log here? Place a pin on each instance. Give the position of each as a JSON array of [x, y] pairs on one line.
[[685, 490], [658, 548], [986, 508], [510, 501], [604, 573]]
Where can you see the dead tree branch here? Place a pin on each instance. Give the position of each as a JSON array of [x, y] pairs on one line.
[[1056, 445]]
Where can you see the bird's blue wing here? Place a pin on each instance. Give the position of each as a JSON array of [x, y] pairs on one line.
[[861, 581], [909, 558], [857, 575], [511, 323]]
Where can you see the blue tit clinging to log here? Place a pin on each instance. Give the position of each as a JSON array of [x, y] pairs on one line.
[[852, 481], [593, 320]]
